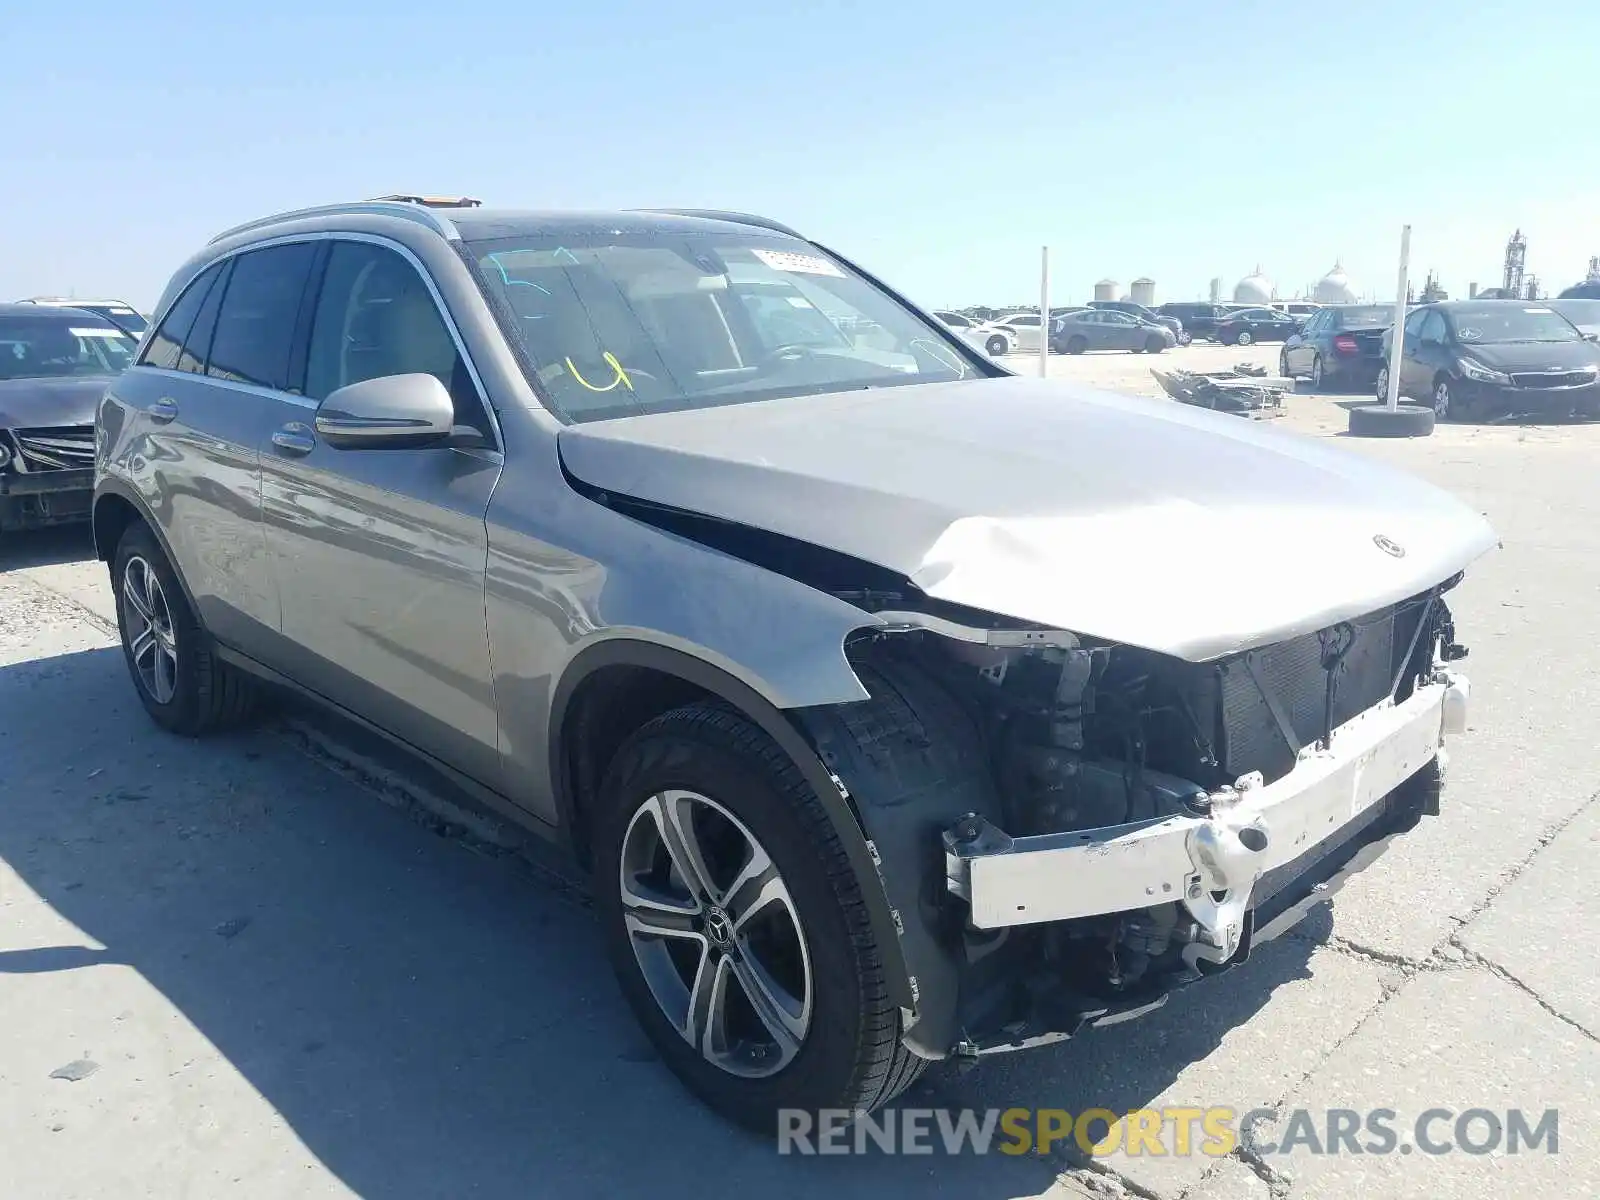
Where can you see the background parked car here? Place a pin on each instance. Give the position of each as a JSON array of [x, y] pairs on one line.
[[1484, 358], [1148, 315], [987, 337], [1589, 289], [1098, 329], [121, 314], [1199, 320], [1023, 326], [1585, 314], [54, 365], [1340, 346], [1256, 325]]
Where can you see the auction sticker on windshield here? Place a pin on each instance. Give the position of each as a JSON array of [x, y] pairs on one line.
[[801, 264], [105, 333]]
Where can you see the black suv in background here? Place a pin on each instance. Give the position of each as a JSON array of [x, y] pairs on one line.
[[1199, 319], [1149, 315], [1340, 346]]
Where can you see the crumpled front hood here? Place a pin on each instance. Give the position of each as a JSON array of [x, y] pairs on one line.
[[29, 403], [1144, 522]]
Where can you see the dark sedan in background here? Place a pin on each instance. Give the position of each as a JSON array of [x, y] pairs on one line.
[[1488, 358], [1585, 314], [1101, 329], [1248, 325], [55, 364], [1198, 318], [1148, 315], [1340, 346]]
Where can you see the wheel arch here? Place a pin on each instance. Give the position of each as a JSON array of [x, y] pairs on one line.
[[116, 507], [611, 688]]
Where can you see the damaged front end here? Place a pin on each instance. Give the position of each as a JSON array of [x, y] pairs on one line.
[[1068, 829]]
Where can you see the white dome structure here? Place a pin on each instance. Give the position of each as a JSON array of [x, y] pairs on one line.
[[1254, 288], [1334, 288]]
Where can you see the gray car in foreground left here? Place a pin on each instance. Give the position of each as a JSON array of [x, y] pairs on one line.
[[900, 708]]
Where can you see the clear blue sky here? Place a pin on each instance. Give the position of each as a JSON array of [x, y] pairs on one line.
[[938, 143]]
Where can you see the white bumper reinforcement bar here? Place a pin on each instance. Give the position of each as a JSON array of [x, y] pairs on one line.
[[1210, 863]]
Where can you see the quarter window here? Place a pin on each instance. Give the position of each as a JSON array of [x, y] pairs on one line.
[[167, 342], [376, 317], [255, 326], [197, 345]]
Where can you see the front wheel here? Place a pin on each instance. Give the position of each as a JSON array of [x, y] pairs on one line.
[[1077, 345], [1155, 344], [736, 926], [1316, 372], [1243, 338], [181, 682], [996, 345], [1184, 337]]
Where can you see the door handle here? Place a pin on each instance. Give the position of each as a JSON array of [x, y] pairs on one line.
[[294, 439], [163, 410]]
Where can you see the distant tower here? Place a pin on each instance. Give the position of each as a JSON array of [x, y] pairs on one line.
[[1533, 288], [1143, 291], [1216, 291], [1594, 270], [1106, 289], [1472, 291], [1433, 291], [1516, 260]]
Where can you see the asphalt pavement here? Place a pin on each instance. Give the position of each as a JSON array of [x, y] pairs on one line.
[[264, 966]]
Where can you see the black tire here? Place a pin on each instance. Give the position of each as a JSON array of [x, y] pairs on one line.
[[996, 345], [1155, 344], [1077, 344], [1135, 349], [1184, 337], [1283, 364], [207, 694], [1376, 420], [1447, 405], [852, 1057], [1318, 378], [1244, 338]]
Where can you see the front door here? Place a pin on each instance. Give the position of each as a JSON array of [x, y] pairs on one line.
[[380, 554]]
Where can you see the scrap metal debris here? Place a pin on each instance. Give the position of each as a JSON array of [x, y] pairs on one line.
[[1245, 391], [80, 1068]]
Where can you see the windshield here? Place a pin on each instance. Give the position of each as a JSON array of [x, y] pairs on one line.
[[59, 347], [1368, 316], [1579, 312], [622, 323], [1512, 322], [126, 318]]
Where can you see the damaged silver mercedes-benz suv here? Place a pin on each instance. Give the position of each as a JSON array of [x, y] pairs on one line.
[[900, 707]]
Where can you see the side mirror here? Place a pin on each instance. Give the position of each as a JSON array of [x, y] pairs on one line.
[[393, 411], [1592, 337]]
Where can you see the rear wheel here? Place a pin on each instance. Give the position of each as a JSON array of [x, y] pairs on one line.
[[996, 345], [1155, 344], [1316, 372], [736, 926], [1076, 344], [181, 682], [1243, 338]]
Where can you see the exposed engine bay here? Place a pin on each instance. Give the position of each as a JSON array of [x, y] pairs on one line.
[[1037, 741]]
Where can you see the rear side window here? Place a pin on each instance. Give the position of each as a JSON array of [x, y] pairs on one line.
[[375, 316], [167, 342], [255, 325], [198, 344]]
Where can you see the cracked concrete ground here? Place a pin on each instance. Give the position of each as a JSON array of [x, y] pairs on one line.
[[252, 966]]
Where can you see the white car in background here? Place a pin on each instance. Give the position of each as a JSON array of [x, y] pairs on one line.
[[1025, 326], [985, 335]]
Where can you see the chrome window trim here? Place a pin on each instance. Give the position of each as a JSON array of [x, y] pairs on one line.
[[374, 239]]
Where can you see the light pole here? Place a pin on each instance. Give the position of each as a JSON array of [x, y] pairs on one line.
[[1390, 418], [1398, 336], [1044, 311]]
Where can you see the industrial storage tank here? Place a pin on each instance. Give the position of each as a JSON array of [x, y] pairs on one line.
[[1106, 289], [1334, 288], [1254, 288], [1144, 291]]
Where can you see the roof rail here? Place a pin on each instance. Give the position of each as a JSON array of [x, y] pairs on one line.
[[421, 214], [717, 214]]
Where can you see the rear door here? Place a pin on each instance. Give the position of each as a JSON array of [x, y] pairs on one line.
[[202, 393], [380, 554]]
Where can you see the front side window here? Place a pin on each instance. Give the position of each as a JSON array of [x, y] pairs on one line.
[[619, 323], [1433, 328], [64, 346], [375, 316], [255, 325]]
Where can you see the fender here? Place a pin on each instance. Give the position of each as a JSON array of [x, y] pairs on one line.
[[829, 790], [110, 485]]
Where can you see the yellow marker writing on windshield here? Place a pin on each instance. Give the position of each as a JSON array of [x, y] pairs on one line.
[[611, 361]]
